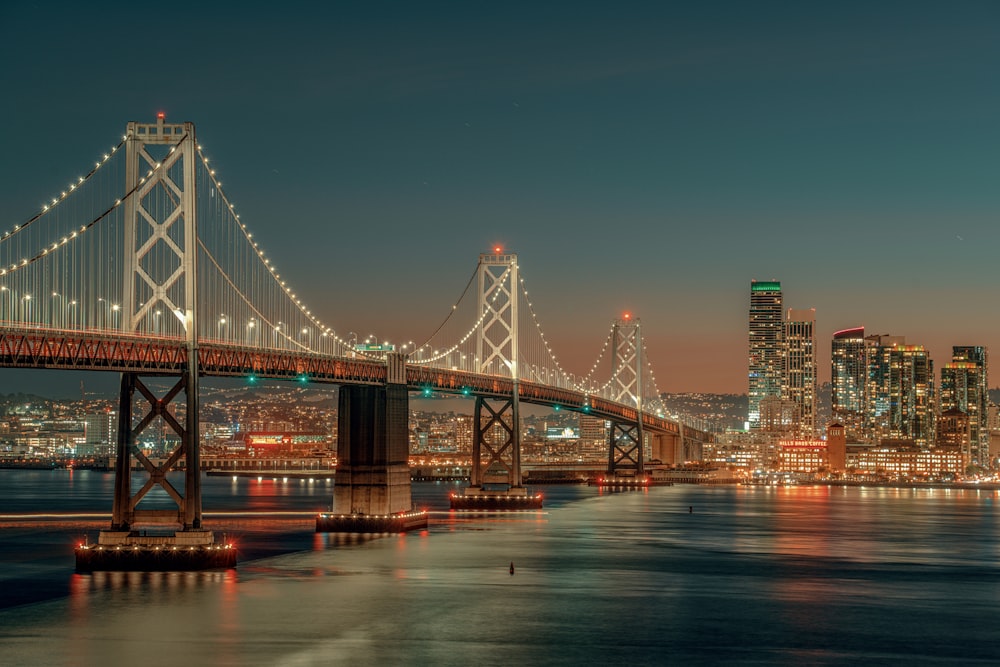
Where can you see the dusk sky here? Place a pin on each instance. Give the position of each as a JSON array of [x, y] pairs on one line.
[[647, 157]]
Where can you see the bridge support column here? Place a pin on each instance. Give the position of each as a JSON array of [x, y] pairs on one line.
[[625, 456], [495, 481], [668, 448], [372, 480], [124, 546]]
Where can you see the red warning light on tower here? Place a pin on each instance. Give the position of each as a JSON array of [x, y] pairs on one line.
[[161, 115], [497, 250], [627, 316]]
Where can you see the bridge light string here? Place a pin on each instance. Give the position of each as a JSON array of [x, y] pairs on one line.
[[586, 385], [55, 201], [26, 261], [106, 240], [472, 330], [324, 331]]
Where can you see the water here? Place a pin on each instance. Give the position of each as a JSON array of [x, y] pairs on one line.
[[751, 575]]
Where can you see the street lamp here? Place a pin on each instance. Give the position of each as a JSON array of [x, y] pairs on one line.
[[222, 323], [25, 307], [5, 291], [53, 310]]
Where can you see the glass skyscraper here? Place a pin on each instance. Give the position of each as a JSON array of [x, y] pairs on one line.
[[910, 392], [766, 353], [799, 377], [849, 379], [964, 387]]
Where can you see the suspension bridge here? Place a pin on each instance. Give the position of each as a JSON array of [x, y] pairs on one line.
[[141, 266]]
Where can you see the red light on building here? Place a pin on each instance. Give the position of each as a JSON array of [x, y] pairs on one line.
[[161, 115]]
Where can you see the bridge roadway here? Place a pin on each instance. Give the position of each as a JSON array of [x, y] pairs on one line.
[[42, 347]]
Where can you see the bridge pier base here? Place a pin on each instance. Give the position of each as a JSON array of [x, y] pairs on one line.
[[136, 551], [496, 441], [372, 479]]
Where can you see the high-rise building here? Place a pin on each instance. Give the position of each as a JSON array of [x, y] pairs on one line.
[[766, 351], [799, 376], [964, 387], [910, 392], [877, 399], [849, 373]]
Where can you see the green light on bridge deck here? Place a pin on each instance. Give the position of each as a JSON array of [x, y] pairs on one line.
[[466, 391], [556, 408], [586, 408], [303, 379], [427, 391], [252, 379]]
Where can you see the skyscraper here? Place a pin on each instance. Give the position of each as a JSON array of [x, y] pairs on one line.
[[877, 399], [909, 391], [848, 376], [766, 358], [799, 376], [964, 387]]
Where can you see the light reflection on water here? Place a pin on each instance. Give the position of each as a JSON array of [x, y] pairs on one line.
[[774, 575]]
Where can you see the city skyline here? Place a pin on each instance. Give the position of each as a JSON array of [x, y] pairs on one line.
[[651, 161]]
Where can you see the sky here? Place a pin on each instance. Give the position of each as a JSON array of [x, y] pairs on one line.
[[649, 157]]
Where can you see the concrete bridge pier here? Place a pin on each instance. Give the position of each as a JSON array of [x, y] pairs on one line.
[[372, 479], [668, 447]]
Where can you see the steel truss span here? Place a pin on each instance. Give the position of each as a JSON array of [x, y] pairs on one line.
[[42, 348]]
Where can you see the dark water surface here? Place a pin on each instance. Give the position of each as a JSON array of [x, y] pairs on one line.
[[752, 575]]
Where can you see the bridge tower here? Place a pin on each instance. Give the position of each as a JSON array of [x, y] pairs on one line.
[[495, 480], [625, 440], [160, 271]]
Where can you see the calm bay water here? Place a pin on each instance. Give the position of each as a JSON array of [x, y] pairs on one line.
[[752, 575]]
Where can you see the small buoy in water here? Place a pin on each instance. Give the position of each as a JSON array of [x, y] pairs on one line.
[[512, 568], [690, 509]]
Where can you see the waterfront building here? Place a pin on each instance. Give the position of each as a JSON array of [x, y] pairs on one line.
[[747, 450], [964, 387], [766, 358], [799, 374], [911, 462], [849, 374], [98, 436], [911, 390], [901, 390], [877, 385], [805, 456], [953, 429], [463, 434], [593, 436], [836, 445]]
